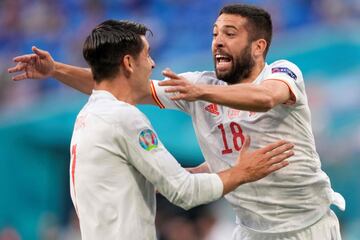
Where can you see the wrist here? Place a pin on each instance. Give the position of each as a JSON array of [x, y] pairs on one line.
[[204, 92], [201, 92], [55, 69]]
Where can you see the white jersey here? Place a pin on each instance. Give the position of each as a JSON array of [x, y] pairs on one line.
[[116, 162], [289, 199]]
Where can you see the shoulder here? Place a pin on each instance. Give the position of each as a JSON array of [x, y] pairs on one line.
[[284, 62], [116, 112], [131, 117], [285, 67]]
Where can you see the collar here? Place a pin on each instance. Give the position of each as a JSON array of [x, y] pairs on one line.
[[261, 74], [96, 94]]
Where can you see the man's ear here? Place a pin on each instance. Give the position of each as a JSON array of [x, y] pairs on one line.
[[128, 65], [259, 47]]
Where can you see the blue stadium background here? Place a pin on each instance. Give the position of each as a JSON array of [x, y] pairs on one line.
[[321, 36]]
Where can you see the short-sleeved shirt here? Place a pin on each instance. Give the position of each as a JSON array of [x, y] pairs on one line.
[[116, 162], [289, 199]]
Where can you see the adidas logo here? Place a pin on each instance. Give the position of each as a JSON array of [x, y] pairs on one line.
[[213, 109]]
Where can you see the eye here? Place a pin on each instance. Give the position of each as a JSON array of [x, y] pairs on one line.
[[214, 35]]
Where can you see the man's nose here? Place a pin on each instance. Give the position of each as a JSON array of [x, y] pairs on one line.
[[218, 41]]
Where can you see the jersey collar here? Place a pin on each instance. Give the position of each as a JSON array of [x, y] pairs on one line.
[[261, 74]]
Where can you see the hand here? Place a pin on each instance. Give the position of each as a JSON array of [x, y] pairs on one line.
[[261, 162], [38, 65], [183, 89]]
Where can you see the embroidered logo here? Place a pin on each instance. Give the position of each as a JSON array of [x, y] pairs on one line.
[[284, 70], [148, 140], [233, 113], [213, 109]]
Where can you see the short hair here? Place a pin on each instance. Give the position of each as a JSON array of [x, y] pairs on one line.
[[108, 43], [259, 24]]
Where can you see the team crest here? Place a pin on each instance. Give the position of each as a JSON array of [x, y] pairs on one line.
[[148, 140], [213, 109]]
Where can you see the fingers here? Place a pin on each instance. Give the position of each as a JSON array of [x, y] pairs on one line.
[[20, 77], [279, 150], [178, 97], [25, 58], [174, 89], [170, 74], [170, 82], [281, 157], [278, 166], [246, 144], [39, 52], [28, 57], [272, 146], [19, 67]]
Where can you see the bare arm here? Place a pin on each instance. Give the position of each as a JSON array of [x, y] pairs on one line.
[[41, 65], [250, 97], [76, 77]]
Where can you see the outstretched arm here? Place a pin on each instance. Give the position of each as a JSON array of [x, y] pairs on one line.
[[188, 190], [250, 97], [41, 65], [78, 78]]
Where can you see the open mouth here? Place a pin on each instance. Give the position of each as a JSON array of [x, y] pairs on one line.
[[223, 62]]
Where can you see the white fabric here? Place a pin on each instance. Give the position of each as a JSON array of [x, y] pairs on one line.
[[327, 228], [289, 199], [113, 176]]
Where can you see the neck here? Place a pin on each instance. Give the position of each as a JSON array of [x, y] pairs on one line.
[[254, 73], [120, 88]]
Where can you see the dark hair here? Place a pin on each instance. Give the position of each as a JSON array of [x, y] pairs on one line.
[[259, 23], [108, 43]]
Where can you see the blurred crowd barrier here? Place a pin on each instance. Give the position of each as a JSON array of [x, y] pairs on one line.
[[321, 36]]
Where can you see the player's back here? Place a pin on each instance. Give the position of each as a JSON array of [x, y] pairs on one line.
[[112, 199]]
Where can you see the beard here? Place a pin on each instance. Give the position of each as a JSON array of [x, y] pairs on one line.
[[240, 69]]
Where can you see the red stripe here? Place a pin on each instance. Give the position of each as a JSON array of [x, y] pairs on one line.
[[73, 166], [154, 96]]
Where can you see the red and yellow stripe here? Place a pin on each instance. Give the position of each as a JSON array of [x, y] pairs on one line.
[[154, 95]]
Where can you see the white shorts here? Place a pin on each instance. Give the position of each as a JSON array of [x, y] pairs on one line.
[[327, 228]]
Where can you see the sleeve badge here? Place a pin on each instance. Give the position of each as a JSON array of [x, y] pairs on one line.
[[284, 70], [148, 139]]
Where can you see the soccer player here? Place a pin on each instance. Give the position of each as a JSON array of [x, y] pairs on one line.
[[117, 160], [267, 102]]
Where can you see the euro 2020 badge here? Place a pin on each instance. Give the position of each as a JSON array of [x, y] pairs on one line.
[[148, 140]]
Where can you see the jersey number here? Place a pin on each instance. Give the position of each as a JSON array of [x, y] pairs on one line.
[[237, 134]]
